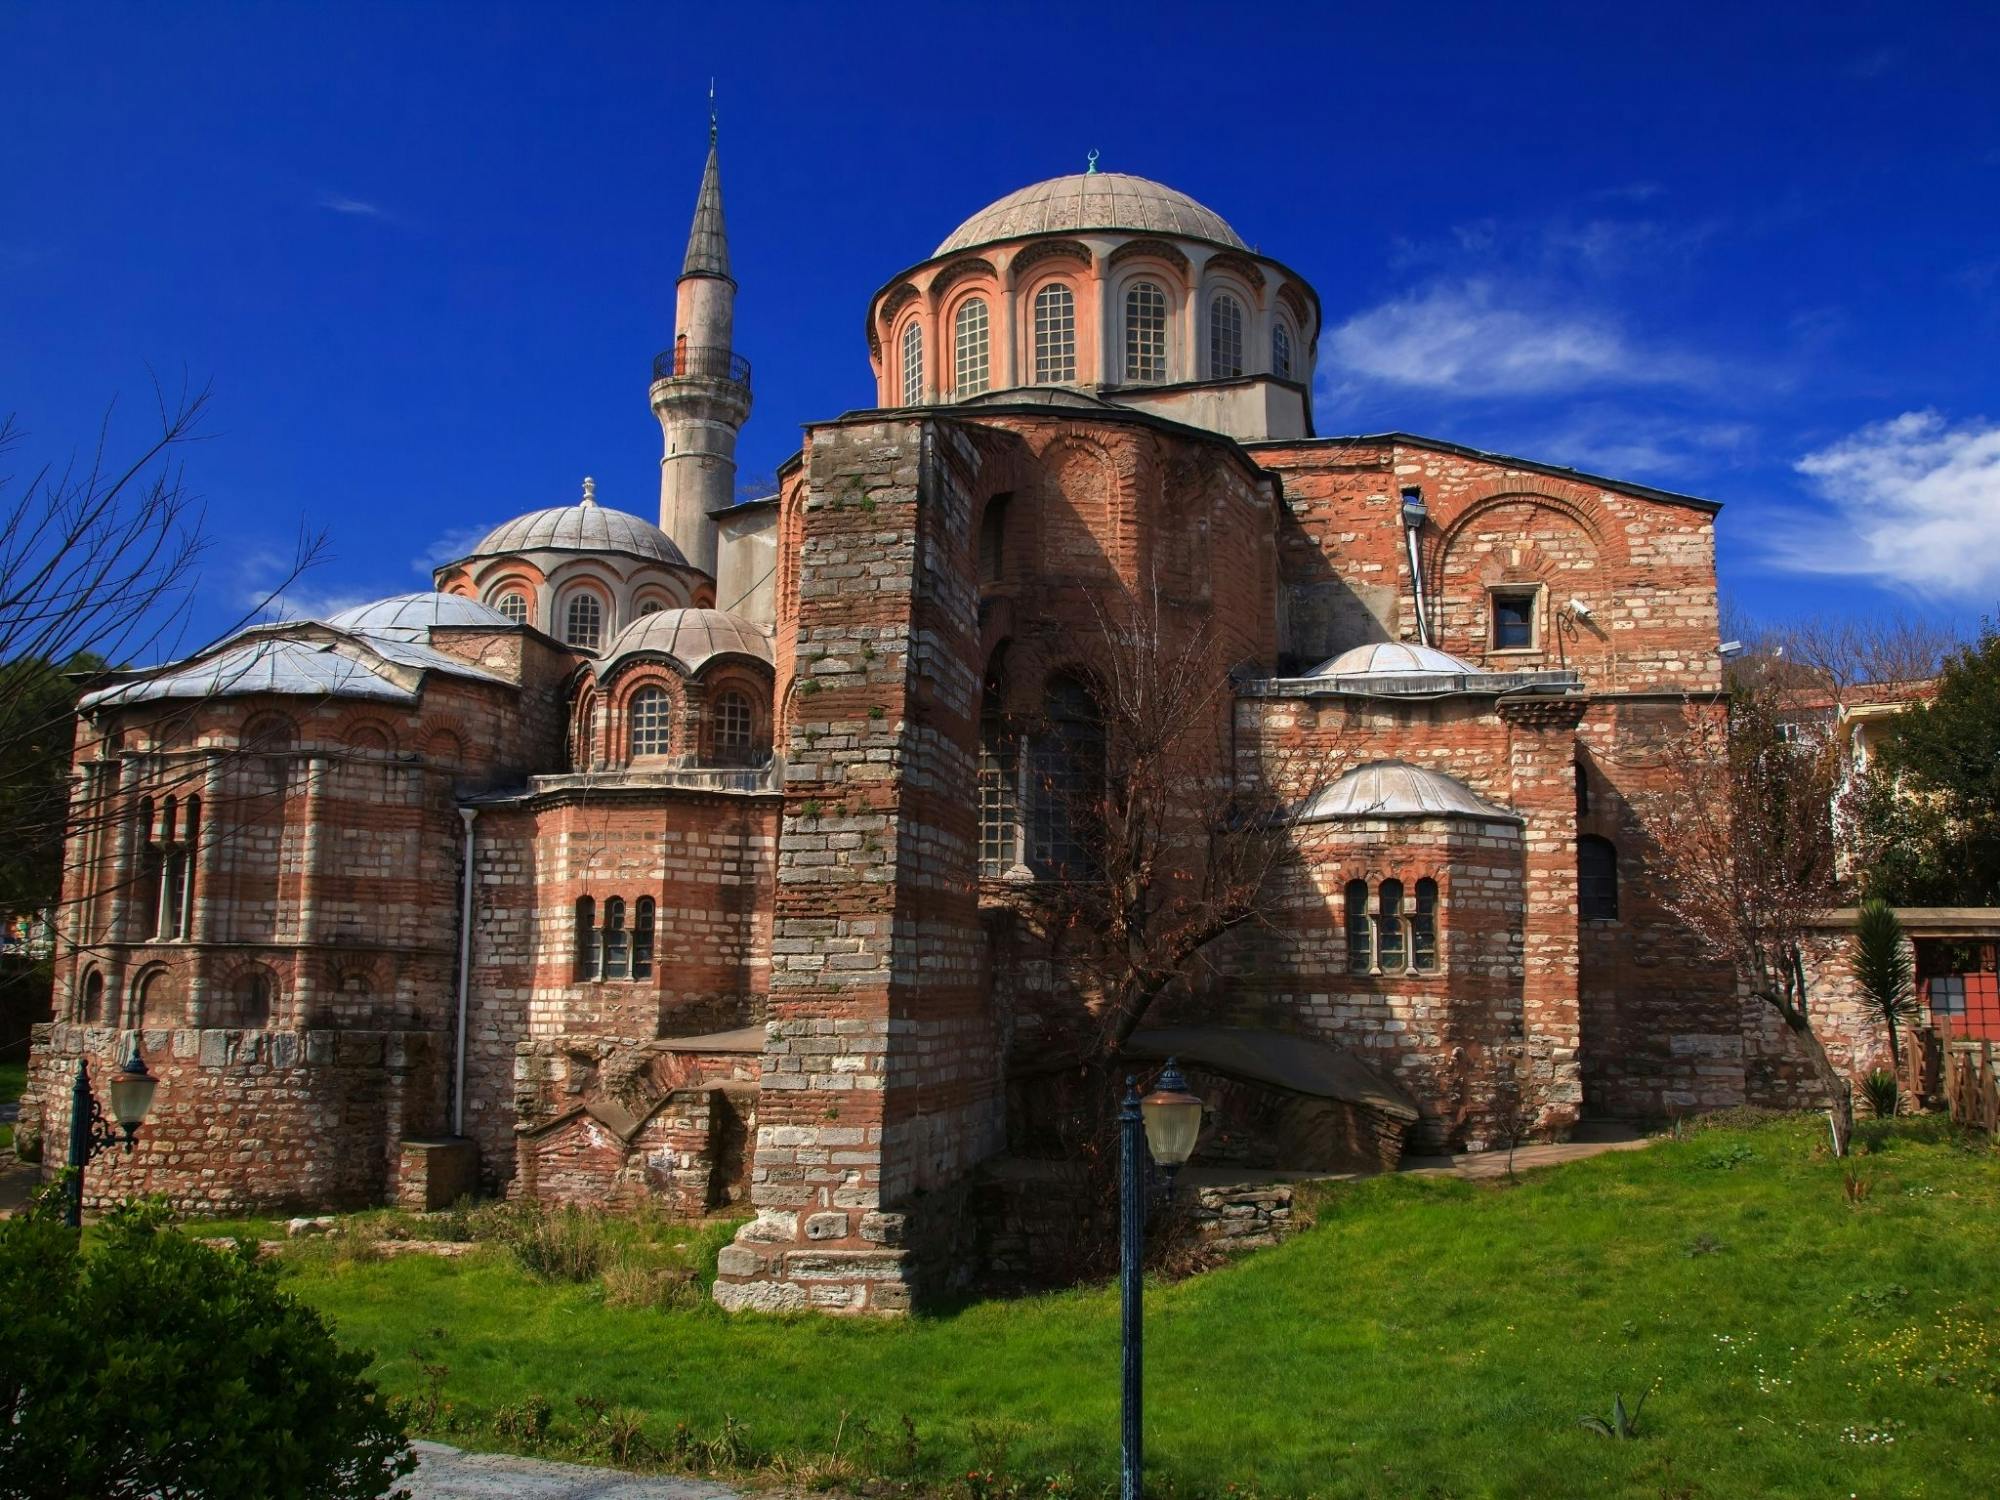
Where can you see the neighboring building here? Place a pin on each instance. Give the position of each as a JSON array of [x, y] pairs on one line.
[[704, 838]]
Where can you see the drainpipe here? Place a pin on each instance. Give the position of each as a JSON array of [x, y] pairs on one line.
[[464, 978], [1414, 516]]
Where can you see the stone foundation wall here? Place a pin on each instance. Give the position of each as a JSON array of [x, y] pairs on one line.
[[249, 1121]]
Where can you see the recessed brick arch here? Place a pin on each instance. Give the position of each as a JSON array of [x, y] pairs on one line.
[[1580, 506]]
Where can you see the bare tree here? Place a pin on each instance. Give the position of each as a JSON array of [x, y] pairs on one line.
[[1840, 654], [1743, 824], [1162, 848]]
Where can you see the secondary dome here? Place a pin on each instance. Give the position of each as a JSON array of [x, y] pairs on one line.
[[691, 637], [410, 617], [1092, 200], [585, 527], [1393, 659], [1397, 789]]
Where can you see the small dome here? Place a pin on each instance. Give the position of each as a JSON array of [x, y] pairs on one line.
[[410, 617], [1092, 200], [690, 636], [1397, 789], [588, 527], [1393, 659]]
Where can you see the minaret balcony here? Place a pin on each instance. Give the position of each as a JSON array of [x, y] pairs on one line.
[[696, 362]]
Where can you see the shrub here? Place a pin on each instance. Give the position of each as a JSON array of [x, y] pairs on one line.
[[561, 1244], [1879, 1089], [154, 1365]]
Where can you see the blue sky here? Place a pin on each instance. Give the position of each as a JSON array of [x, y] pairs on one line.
[[424, 254]]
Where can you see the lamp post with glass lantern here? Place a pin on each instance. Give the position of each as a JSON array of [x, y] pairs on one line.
[[1158, 1128], [89, 1132]]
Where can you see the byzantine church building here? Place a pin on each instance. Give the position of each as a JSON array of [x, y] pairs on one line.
[[685, 862]]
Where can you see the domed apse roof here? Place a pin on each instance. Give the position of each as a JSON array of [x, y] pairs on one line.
[[691, 636], [1397, 789], [584, 527], [1392, 659], [1092, 200], [410, 617]]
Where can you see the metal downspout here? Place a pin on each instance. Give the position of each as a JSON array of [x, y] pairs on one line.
[[464, 978], [1414, 515]]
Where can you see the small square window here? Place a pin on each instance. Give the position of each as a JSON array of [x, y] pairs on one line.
[[1514, 620]]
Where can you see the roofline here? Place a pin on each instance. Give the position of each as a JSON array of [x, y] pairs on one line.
[[1554, 471], [959, 411], [741, 505], [473, 557]]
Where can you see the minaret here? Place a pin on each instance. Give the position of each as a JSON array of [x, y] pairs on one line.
[[701, 390]]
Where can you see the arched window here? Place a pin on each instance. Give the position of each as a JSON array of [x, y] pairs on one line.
[[93, 999], [1069, 777], [1423, 928], [617, 941], [651, 714], [642, 938], [993, 541], [156, 1002], [586, 938], [913, 363], [1360, 935], [1281, 351], [583, 734], [583, 626], [1582, 791], [1055, 334], [1225, 337], [1596, 878], [254, 993], [970, 345], [166, 872], [1145, 332], [514, 605], [1389, 949], [731, 729], [649, 607], [999, 780]]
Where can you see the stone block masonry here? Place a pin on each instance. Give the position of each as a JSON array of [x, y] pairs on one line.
[[881, 1065]]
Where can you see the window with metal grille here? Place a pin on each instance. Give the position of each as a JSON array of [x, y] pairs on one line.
[[617, 942], [514, 605], [642, 938], [584, 624], [1145, 332], [1281, 351], [999, 798], [1360, 934], [651, 715], [586, 938], [93, 998], [1055, 334], [1596, 878], [1225, 337], [733, 731], [970, 346], [1423, 928], [1068, 764], [1389, 946], [913, 363]]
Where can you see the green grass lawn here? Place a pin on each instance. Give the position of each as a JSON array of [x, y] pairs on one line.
[[1428, 1337]]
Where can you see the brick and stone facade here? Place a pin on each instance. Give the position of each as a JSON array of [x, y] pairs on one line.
[[727, 908]]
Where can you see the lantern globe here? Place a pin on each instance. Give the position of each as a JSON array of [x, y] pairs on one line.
[[132, 1089], [1173, 1118]]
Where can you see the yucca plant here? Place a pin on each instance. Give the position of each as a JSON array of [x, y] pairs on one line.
[[1881, 1090], [1621, 1424], [1881, 966]]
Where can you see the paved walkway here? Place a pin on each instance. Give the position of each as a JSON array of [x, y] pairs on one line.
[[446, 1473], [1592, 1139]]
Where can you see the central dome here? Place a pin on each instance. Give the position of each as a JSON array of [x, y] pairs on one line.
[[1092, 200], [588, 527]]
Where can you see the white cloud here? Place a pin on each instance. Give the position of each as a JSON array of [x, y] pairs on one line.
[[355, 207], [1916, 503], [450, 546], [1635, 444], [303, 601], [1470, 339]]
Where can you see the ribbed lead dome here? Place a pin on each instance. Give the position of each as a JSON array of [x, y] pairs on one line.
[[1393, 659], [1397, 789], [588, 527], [1092, 200], [690, 636], [409, 617]]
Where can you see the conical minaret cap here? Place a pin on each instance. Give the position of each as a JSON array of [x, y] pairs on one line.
[[708, 241]]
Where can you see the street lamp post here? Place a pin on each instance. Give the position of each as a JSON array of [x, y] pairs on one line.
[[1159, 1128], [89, 1132]]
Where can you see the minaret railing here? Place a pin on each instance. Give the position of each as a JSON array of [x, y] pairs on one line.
[[701, 362]]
